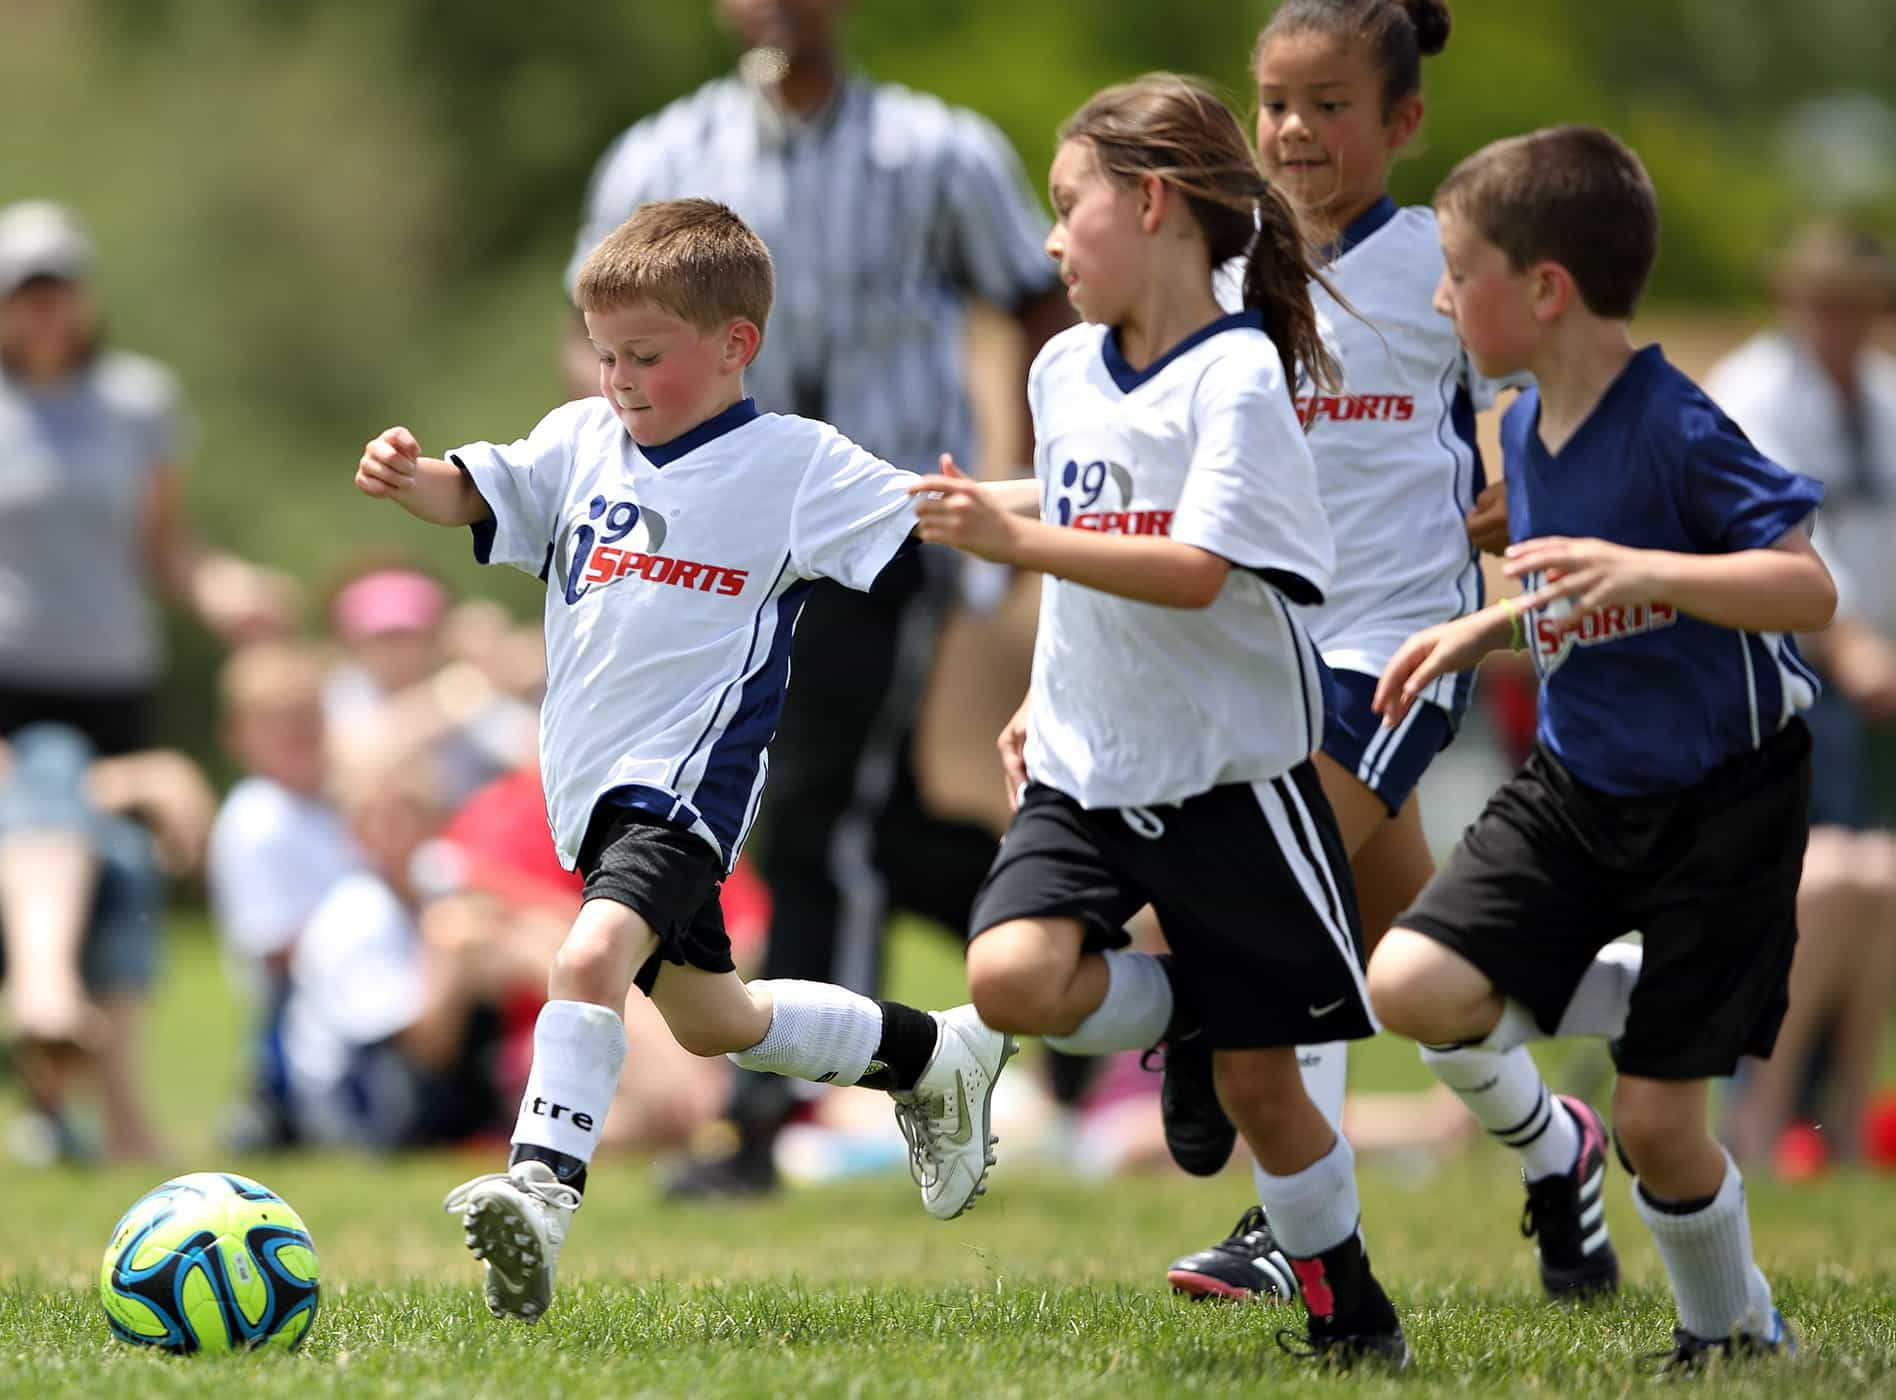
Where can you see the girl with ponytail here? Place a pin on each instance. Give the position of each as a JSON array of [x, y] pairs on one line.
[[1339, 89], [1163, 755]]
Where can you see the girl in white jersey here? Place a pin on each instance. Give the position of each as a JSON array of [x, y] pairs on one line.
[[1339, 96], [1178, 522]]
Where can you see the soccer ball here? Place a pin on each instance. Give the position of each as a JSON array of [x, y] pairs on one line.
[[210, 1262]]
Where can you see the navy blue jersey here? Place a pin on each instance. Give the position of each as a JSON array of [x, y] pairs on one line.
[[1644, 699]]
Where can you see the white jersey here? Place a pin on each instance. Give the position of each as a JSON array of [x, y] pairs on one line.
[[274, 855], [1775, 390], [674, 576], [1395, 450], [1135, 704]]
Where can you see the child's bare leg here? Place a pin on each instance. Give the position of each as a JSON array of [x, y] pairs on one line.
[[47, 883], [128, 1131], [1030, 977]]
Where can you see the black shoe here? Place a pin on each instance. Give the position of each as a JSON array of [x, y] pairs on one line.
[[1372, 1332], [748, 1172], [1197, 1133], [1566, 1217], [1689, 1354], [1246, 1266]]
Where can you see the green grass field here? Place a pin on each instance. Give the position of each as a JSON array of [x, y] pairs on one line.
[[1052, 1288]]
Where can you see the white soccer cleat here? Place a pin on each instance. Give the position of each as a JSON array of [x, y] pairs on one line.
[[945, 1116], [516, 1221]]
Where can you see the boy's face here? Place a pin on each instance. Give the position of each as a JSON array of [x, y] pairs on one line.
[[662, 375], [1321, 136], [1493, 307], [280, 737]]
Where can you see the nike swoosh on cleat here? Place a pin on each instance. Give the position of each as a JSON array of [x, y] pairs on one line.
[[964, 1124], [1326, 1010]]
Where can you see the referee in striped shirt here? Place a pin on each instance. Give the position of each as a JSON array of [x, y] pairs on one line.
[[884, 211]]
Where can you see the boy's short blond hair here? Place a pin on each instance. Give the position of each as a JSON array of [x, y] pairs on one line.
[[1573, 195], [693, 257], [269, 673]]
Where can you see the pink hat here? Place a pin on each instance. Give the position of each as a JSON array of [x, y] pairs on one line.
[[389, 600]]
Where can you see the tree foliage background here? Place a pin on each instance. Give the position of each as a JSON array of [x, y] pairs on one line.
[[330, 215]]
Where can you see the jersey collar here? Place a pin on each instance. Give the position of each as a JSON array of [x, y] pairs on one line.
[[1128, 378], [1360, 228], [663, 454]]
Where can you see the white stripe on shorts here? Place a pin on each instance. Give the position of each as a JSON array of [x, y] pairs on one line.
[[1385, 746], [1313, 874]]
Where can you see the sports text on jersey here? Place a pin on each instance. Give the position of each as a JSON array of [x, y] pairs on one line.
[[1082, 486], [1557, 633], [1353, 408], [621, 540]]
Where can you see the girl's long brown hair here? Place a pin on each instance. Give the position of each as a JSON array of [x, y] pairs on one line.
[[1174, 128]]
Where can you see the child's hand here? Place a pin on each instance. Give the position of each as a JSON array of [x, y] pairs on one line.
[[1424, 658], [1593, 573], [951, 509], [1013, 746], [1487, 523], [389, 463]]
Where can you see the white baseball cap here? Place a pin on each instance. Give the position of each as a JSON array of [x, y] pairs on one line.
[[39, 238]]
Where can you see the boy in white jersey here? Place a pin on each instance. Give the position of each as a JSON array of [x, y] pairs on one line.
[[1339, 97], [678, 531], [1176, 697]]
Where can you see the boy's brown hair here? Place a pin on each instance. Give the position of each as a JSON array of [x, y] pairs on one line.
[[693, 257], [269, 673], [1573, 195]]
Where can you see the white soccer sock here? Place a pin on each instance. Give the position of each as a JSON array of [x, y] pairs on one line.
[[1135, 1013], [1315, 1209], [818, 1031], [1507, 1097], [1716, 1282], [1605, 993], [1325, 1069], [578, 1049]]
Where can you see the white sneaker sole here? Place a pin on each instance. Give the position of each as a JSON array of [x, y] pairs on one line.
[[501, 1236], [983, 1122]]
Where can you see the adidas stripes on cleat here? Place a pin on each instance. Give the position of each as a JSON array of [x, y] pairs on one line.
[[1566, 1217], [1246, 1266]]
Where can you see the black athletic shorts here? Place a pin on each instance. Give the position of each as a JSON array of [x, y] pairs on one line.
[[1249, 881], [1553, 870], [666, 875]]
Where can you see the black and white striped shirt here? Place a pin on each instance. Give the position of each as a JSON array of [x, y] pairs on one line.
[[882, 213]]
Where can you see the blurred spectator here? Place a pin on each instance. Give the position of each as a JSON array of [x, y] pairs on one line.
[[91, 442], [403, 687], [81, 905], [277, 848], [389, 1025], [1818, 395]]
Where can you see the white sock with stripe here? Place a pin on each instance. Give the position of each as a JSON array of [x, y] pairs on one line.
[[1717, 1284], [1508, 1098], [1134, 1014], [818, 1031]]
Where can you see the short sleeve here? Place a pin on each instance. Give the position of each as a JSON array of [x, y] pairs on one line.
[[1251, 493], [997, 232], [1734, 496], [852, 514], [523, 483]]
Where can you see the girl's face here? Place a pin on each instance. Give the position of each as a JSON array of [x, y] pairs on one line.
[[1321, 134], [1097, 237], [44, 326]]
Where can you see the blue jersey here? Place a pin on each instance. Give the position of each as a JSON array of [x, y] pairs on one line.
[[1642, 698]]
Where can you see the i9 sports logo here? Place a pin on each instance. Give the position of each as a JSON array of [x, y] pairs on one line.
[[1095, 496], [622, 539]]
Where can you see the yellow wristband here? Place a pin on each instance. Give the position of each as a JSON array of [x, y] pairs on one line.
[[1517, 640]]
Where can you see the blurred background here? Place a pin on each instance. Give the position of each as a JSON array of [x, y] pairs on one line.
[[331, 215]]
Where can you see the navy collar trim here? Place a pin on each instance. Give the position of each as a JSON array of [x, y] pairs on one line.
[[663, 454], [1128, 378], [1361, 227]]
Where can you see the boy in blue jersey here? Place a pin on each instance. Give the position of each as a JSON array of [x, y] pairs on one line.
[[678, 531], [1664, 561]]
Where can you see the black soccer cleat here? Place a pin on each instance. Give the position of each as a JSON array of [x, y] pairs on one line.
[[1197, 1133], [747, 1172], [1689, 1354], [1370, 1332], [1246, 1266], [1566, 1217]]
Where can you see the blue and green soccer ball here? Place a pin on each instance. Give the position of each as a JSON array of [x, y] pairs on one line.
[[210, 1262]]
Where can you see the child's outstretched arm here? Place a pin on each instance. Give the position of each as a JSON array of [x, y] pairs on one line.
[[953, 509], [1433, 652], [1784, 588], [428, 488]]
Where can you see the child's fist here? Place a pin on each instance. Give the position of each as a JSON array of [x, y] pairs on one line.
[[389, 463]]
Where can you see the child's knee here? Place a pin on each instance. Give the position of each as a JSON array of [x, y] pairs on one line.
[[1017, 979], [1424, 991], [1658, 1123], [591, 965]]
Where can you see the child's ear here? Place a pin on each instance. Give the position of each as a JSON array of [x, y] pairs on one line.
[[1152, 202], [741, 343], [1405, 119], [1554, 291]]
